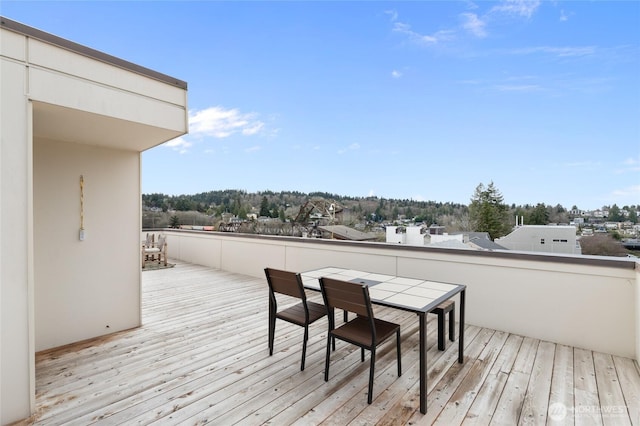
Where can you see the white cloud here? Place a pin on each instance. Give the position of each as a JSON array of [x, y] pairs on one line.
[[518, 88], [630, 165], [253, 148], [352, 147], [563, 16], [557, 51], [179, 144], [393, 15], [631, 192], [474, 25], [253, 128], [372, 193], [415, 37], [525, 8], [588, 164], [396, 74], [218, 122]]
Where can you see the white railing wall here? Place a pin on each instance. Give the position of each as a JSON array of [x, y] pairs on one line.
[[586, 302]]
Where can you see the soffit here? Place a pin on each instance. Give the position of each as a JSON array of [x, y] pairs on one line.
[[71, 125]]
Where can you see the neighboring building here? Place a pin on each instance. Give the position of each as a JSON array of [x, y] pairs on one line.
[[436, 237], [342, 232], [542, 238], [482, 241], [73, 124], [411, 235], [578, 221]]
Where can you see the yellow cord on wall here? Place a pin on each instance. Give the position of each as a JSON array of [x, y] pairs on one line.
[[81, 208]]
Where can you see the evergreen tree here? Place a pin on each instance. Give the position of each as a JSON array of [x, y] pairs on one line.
[[264, 207], [539, 215], [614, 214], [487, 211]]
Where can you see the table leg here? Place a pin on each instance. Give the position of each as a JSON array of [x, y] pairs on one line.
[[461, 337], [422, 318]]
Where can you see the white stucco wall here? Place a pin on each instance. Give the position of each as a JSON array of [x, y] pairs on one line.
[[557, 239], [392, 236], [85, 288], [16, 352], [91, 115], [590, 306]]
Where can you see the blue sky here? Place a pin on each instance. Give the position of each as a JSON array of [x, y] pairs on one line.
[[410, 100]]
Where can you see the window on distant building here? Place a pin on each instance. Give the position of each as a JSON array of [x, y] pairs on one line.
[[541, 240]]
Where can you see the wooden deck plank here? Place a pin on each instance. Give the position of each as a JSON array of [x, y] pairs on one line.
[[346, 358], [403, 411], [486, 400], [446, 387], [201, 356], [560, 410], [511, 401], [586, 401], [613, 408], [535, 405], [627, 371], [459, 403]]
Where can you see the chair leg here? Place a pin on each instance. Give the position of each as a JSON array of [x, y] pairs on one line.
[[272, 329], [361, 354], [304, 346], [371, 374], [271, 336], [326, 361], [452, 324], [332, 326], [441, 331], [399, 355]]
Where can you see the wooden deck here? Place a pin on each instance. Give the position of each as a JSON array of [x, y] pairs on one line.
[[201, 357]]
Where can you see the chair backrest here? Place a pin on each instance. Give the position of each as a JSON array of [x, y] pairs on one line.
[[352, 297], [161, 240], [285, 282]]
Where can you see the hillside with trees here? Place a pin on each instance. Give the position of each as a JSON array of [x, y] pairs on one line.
[[486, 212]]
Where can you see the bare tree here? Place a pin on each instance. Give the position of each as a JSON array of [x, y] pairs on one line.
[[602, 245]]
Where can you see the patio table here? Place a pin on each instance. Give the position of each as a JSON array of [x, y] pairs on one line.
[[409, 294]]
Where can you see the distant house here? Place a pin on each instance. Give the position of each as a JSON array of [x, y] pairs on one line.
[[435, 236], [482, 241], [73, 124], [542, 238], [342, 232], [411, 235]]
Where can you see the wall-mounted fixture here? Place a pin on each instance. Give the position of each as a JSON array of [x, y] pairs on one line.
[[82, 234]]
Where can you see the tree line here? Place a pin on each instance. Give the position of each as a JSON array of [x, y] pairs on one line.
[[486, 212]]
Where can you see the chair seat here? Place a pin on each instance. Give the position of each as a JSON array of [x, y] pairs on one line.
[[441, 310], [358, 331], [444, 307], [365, 330], [295, 313]]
